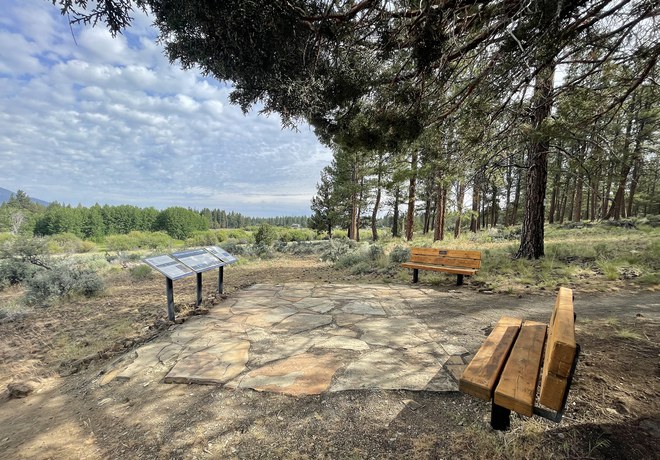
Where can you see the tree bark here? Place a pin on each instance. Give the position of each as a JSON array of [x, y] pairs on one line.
[[439, 230], [410, 216], [395, 213], [374, 213], [577, 202], [531, 240], [555, 190], [460, 195], [474, 219]]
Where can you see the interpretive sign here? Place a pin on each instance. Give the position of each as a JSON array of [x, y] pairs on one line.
[[200, 260], [222, 254], [181, 264], [169, 266]]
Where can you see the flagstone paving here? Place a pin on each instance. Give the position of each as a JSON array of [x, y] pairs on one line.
[[305, 338]]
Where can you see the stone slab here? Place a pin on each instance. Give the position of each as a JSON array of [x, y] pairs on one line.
[[306, 374]]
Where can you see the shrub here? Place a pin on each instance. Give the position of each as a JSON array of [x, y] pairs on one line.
[[141, 272], [351, 259], [64, 242], [376, 252], [263, 251], [234, 247], [120, 243], [337, 248], [62, 280], [266, 235], [205, 238], [13, 271], [87, 246], [399, 255]]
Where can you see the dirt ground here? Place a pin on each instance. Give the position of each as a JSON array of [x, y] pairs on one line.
[[62, 353]]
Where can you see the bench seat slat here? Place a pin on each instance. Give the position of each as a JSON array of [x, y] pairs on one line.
[[516, 389], [480, 376], [437, 268]]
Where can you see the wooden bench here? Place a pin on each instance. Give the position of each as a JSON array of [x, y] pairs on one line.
[[444, 260], [506, 368]]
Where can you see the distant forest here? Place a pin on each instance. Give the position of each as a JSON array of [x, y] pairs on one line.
[[20, 215]]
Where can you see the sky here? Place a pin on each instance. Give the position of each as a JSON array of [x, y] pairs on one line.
[[87, 118]]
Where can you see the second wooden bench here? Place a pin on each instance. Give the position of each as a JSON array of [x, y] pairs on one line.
[[506, 368], [451, 261]]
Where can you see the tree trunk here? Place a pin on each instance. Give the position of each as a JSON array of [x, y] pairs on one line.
[[555, 190], [427, 216], [474, 219], [460, 195], [395, 216], [359, 210], [531, 240], [516, 199], [374, 213], [637, 172], [439, 230], [410, 217], [494, 207], [577, 201]]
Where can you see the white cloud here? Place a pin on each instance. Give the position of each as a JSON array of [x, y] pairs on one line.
[[111, 121]]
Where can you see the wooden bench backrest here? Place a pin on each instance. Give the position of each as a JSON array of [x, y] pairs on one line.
[[560, 351], [449, 257]]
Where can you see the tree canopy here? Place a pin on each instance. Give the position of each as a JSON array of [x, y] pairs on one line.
[[399, 76]]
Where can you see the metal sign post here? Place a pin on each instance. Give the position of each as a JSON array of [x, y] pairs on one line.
[[221, 279], [181, 264], [169, 286], [199, 289]]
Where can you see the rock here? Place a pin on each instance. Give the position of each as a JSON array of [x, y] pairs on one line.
[[411, 404], [19, 390]]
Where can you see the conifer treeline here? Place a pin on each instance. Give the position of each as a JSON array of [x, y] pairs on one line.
[[19, 214]]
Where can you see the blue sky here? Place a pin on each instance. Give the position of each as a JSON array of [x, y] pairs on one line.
[[110, 120]]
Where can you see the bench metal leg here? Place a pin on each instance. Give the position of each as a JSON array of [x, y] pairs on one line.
[[415, 275], [500, 418], [459, 280]]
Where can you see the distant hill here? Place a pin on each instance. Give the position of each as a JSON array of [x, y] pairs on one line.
[[6, 194]]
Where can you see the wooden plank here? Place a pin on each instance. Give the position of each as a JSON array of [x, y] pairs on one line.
[[516, 389], [447, 253], [481, 374], [561, 347], [559, 353], [441, 260], [439, 268]]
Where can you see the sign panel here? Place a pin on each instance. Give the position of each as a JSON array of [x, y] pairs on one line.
[[169, 266], [222, 254], [199, 260]]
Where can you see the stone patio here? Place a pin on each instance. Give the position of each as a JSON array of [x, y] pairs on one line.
[[305, 338]]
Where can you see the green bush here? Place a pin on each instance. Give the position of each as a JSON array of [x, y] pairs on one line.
[[13, 271], [205, 238], [263, 251], [266, 235], [295, 234], [399, 255], [62, 280], [64, 242], [87, 246], [337, 248], [234, 247], [120, 243], [351, 259], [238, 234], [141, 272], [376, 252]]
